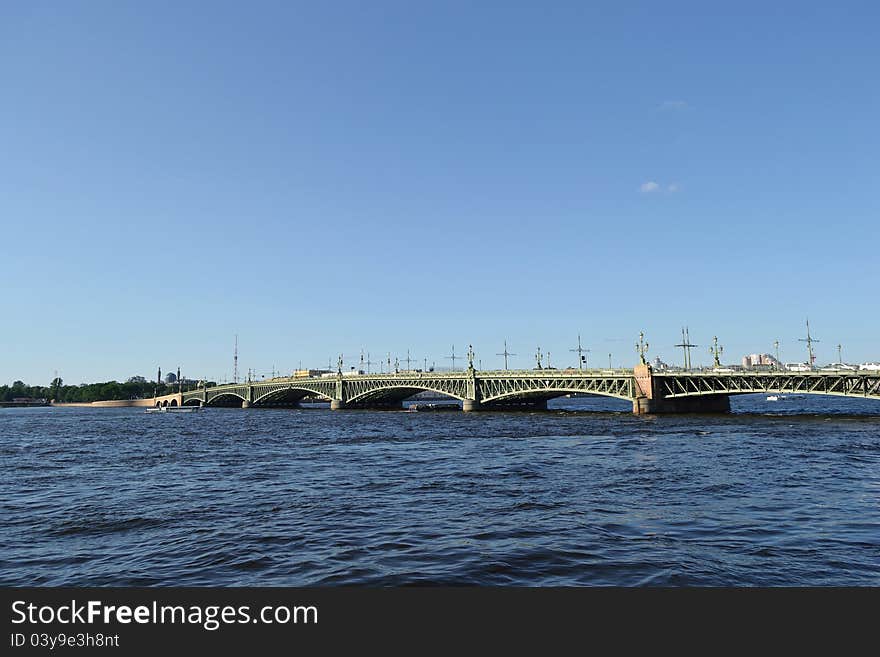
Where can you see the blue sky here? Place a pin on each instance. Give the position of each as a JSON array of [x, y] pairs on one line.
[[325, 177]]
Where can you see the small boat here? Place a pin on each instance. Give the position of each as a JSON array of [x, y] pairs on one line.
[[433, 407], [776, 397], [174, 409]]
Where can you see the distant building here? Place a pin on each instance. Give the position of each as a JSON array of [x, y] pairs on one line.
[[760, 361], [170, 378], [304, 374]]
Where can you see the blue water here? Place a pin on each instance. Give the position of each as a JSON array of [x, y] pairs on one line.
[[784, 493]]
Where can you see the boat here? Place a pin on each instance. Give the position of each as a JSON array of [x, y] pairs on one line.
[[174, 409], [776, 397], [433, 407]]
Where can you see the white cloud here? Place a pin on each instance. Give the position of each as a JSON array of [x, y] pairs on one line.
[[672, 188], [648, 187], [673, 105]]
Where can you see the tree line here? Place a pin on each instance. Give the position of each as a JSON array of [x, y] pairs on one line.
[[136, 387]]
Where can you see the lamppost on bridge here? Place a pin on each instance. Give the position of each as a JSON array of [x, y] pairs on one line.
[[470, 358], [582, 360], [538, 359], [716, 351], [839, 354], [642, 347], [396, 365], [408, 361], [339, 365], [776, 347]]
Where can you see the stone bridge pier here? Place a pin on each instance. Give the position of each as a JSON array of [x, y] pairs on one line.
[[649, 398]]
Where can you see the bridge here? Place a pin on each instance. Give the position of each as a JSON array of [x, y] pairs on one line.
[[649, 391]]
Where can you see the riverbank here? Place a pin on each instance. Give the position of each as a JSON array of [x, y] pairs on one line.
[[115, 403]]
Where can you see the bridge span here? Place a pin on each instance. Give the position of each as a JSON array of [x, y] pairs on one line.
[[650, 392]]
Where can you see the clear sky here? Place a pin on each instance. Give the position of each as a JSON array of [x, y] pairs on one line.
[[322, 177]]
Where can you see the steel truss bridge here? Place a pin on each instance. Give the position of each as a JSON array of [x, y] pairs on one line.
[[649, 391]]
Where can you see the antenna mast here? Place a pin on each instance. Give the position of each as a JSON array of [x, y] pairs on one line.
[[453, 357], [580, 352], [809, 340], [505, 353], [686, 346]]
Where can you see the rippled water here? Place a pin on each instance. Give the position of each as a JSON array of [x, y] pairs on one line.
[[775, 494]]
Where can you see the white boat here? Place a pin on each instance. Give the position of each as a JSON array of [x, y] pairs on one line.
[[173, 409], [776, 397]]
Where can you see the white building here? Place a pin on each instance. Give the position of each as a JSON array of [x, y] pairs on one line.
[[760, 361]]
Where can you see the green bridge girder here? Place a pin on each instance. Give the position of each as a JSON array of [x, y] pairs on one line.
[[498, 389]]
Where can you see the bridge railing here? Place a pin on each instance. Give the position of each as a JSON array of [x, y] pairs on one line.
[[453, 374], [725, 371]]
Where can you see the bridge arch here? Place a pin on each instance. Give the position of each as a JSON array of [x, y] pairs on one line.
[[227, 398], [288, 395], [545, 394], [779, 390], [395, 394], [832, 385]]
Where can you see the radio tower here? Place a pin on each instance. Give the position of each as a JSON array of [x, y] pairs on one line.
[[235, 361]]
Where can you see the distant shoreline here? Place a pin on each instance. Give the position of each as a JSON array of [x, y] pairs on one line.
[[110, 403]]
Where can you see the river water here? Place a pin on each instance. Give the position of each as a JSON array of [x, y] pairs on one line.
[[776, 493]]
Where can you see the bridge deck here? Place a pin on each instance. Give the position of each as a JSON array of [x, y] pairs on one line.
[[500, 387]]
